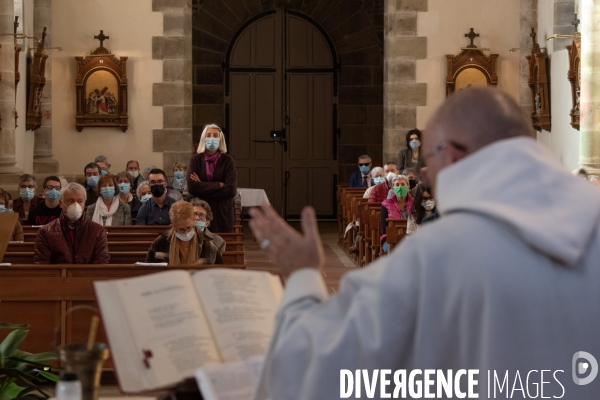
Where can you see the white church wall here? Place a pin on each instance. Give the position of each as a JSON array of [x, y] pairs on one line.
[[130, 25], [562, 139], [23, 137], [445, 24]]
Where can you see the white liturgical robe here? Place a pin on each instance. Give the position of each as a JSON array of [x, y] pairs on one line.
[[507, 282]]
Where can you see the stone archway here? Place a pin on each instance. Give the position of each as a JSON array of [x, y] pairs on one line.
[[356, 28]]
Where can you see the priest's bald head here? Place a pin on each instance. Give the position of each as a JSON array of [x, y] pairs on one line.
[[467, 121]]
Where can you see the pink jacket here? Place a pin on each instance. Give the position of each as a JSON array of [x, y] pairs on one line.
[[394, 212]]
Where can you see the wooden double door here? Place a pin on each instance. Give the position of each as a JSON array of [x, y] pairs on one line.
[[281, 112]]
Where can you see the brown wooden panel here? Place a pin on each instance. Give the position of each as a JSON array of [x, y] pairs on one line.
[[264, 45], [264, 117], [297, 192], [321, 55], [43, 316], [322, 190], [243, 176], [321, 117], [240, 117], [78, 326], [298, 45], [299, 138]]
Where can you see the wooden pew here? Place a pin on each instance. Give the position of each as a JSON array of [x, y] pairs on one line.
[[155, 229], [396, 231], [116, 246], [367, 209], [347, 195], [143, 237], [40, 295]]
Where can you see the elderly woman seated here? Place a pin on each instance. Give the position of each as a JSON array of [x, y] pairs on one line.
[[108, 209], [377, 177], [184, 244], [203, 216], [143, 194]]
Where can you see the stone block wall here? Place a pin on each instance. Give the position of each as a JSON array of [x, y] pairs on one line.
[[356, 28], [402, 93], [174, 93]]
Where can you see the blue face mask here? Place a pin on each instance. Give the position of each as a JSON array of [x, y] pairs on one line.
[[26, 193], [107, 192], [364, 169], [52, 195], [103, 172], [179, 174], [201, 225], [185, 237], [212, 144], [124, 187], [145, 198], [377, 180], [414, 144], [2, 208], [92, 181]]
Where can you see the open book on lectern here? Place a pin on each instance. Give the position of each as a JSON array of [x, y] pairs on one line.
[[163, 327]]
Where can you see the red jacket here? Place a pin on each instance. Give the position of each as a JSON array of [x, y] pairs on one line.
[[379, 193], [53, 244]]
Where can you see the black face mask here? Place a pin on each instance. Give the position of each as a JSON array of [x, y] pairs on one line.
[[157, 190], [412, 183]]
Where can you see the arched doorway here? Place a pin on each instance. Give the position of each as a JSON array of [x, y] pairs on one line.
[[281, 110]]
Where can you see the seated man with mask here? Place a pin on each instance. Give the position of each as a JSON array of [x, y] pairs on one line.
[[92, 176], [72, 238], [156, 210], [49, 210]]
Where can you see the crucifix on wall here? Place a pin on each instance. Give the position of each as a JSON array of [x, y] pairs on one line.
[[539, 84], [472, 35]]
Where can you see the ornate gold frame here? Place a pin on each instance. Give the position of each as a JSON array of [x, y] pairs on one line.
[[574, 76]]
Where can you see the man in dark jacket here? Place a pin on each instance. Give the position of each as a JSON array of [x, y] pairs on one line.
[[361, 178], [72, 238]]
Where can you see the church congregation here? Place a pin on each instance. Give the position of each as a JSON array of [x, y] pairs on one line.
[[300, 199]]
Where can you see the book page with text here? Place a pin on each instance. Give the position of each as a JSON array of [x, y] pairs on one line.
[[231, 381], [169, 325], [241, 307]]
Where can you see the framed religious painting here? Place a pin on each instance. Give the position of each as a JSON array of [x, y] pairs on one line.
[[101, 87], [574, 76], [539, 84], [471, 67]]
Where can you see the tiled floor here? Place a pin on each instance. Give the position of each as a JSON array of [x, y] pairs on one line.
[[337, 262]]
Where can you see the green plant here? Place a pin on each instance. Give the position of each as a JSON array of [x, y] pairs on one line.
[[21, 368]]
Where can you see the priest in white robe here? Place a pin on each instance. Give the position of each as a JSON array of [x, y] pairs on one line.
[[507, 281]]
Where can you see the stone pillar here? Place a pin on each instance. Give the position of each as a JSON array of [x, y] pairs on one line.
[[174, 93], [7, 96], [528, 18], [43, 163], [401, 92], [589, 142]]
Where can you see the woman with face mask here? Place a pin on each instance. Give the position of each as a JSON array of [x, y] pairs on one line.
[[108, 209], [204, 216], [423, 209], [411, 157], [185, 243], [377, 177], [397, 205], [125, 184], [211, 176], [143, 194]]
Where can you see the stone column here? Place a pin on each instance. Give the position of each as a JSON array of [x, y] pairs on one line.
[[401, 92], [7, 95], [174, 93], [43, 163], [589, 142]]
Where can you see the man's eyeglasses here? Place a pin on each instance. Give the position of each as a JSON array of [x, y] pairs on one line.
[[50, 187], [158, 182], [364, 164], [27, 187], [442, 146], [201, 217]]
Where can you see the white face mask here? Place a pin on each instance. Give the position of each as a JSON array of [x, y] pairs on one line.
[[74, 212], [428, 205], [134, 174], [186, 237]]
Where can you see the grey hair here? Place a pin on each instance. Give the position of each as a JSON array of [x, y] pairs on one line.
[[27, 177], [196, 202], [398, 177], [73, 187], [376, 170], [138, 191], [101, 158], [408, 171]]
